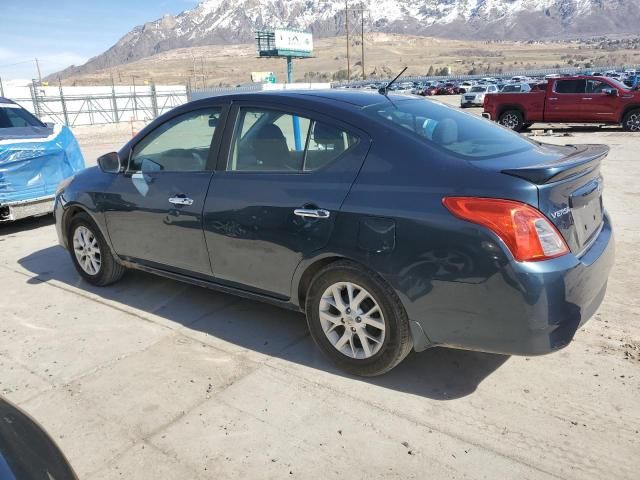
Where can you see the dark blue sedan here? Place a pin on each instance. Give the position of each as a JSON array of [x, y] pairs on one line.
[[394, 223]]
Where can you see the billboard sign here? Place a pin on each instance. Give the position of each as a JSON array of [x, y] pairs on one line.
[[293, 41]]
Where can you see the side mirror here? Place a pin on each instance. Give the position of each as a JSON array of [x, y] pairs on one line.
[[612, 92], [110, 163]]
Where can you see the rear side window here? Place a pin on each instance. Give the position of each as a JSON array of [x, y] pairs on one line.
[[459, 133], [179, 145], [276, 141], [570, 86]]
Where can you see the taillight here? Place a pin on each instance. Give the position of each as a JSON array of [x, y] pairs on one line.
[[528, 234]]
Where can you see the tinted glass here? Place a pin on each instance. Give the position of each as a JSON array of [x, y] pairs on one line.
[[463, 134], [271, 140], [180, 144], [326, 144], [570, 86], [12, 117]]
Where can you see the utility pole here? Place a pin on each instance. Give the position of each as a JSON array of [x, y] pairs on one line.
[[364, 74], [1, 88], [346, 17], [39, 74], [64, 104]]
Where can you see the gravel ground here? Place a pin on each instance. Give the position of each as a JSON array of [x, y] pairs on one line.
[[153, 379]]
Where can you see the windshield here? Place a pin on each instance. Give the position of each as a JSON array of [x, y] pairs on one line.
[[619, 84], [479, 89], [460, 133]]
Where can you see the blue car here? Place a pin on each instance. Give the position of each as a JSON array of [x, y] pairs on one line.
[[394, 223], [34, 158]]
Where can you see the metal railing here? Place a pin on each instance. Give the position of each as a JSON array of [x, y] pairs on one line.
[[104, 105]]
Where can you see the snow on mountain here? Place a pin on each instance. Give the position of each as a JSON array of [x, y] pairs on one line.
[[234, 21]]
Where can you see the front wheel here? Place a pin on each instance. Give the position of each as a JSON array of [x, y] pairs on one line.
[[631, 121], [357, 320], [512, 119], [90, 253]]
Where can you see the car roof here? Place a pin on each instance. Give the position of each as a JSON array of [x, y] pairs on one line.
[[359, 98]]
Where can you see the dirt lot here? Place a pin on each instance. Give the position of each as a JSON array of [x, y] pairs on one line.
[[156, 379]]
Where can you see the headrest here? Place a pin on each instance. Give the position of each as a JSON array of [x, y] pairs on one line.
[[324, 134], [446, 132]]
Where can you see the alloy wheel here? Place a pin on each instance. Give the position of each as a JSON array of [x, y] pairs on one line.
[[510, 120], [633, 122], [87, 250], [352, 320]]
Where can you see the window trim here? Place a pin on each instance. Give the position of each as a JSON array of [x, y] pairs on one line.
[[287, 109], [214, 146]]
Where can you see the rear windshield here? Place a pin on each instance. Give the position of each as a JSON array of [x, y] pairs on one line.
[[463, 134], [15, 117]]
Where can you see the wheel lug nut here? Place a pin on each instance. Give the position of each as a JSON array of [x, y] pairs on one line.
[[348, 310], [358, 319], [342, 320], [353, 329]]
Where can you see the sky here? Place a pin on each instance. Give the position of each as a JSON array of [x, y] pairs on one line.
[[65, 32]]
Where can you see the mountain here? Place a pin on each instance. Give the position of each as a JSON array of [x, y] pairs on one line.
[[218, 22]]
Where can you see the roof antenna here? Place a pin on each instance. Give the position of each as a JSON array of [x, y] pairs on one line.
[[384, 90]]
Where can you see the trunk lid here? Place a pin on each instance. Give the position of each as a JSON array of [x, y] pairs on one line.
[[569, 190]]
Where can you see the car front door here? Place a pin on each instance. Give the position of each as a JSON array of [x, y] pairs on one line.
[[565, 103], [277, 192], [599, 106], [154, 209]]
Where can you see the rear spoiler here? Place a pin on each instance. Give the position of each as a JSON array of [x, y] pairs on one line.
[[585, 158]]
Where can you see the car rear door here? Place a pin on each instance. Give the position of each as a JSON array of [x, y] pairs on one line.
[[564, 103], [154, 209], [277, 192]]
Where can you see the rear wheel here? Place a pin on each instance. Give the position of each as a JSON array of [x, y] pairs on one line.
[[357, 320], [90, 253], [512, 119], [631, 121]]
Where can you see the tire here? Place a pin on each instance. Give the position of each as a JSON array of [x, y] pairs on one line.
[[100, 268], [386, 348], [631, 121], [512, 119]]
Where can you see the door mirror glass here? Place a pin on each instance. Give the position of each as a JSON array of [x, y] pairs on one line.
[[110, 163]]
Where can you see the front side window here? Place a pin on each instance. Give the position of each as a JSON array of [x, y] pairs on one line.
[[570, 86], [276, 141], [465, 135], [180, 145]]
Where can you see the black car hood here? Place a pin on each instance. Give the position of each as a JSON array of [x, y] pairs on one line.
[[25, 133]]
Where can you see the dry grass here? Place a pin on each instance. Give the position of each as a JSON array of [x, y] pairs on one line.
[[385, 54]]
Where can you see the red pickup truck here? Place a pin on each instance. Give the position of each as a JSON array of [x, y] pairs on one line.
[[579, 99]]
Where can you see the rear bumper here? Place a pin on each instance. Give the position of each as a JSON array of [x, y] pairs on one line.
[[530, 308], [11, 211]]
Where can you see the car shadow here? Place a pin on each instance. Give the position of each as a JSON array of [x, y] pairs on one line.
[[437, 373], [25, 224]]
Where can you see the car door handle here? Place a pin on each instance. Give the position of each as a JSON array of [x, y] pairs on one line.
[[181, 200], [554, 99], [587, 98], [309, 213]]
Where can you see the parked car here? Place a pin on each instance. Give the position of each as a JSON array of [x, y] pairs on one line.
[[516, 88], [579, 99], [475, 96], [34, 158], [392, 222], [430, 90], [27, 452], [449, 88]]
